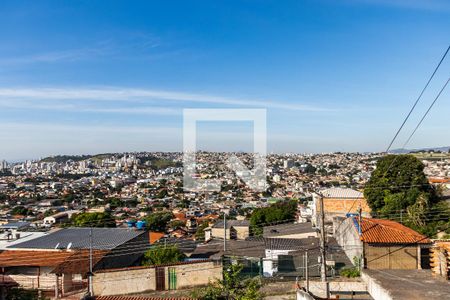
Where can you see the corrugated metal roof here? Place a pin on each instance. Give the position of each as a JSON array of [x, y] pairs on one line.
[[343, 193], [291, 244], [389, 232], [102, 239]]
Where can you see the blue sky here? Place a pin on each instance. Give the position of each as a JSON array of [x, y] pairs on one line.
[[101, 76]]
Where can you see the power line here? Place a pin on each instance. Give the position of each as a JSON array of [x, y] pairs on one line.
[[417, 100], [426, 113]]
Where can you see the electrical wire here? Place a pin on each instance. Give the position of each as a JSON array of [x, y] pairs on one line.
[[417, 100]]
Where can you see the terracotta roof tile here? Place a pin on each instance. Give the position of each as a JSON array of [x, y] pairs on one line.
[[14, 258], [390, 232], [155, 236]]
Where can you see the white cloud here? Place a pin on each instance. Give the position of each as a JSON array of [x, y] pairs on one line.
[[74, 107], [133, 94]]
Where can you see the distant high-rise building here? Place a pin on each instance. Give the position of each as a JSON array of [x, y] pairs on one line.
[[3, 165]]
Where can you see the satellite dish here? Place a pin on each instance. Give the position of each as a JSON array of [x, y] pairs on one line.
[[70, 245], [57, 246]]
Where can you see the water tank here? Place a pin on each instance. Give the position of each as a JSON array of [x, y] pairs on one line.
[[140, 224], [131, 223]]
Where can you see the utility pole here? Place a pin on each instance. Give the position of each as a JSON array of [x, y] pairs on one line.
[[91, 290], [323, 270], [224, 233], [360, 220], [306, 271]]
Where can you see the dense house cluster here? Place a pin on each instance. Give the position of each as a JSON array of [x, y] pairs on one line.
[[41, 249]]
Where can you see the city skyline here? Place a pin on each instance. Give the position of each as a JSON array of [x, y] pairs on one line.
[[333, 76]]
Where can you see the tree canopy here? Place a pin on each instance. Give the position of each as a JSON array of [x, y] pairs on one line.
[[162, 255], [158, 221], [232, 287], [280, 211], [398, 184], [96, 219]]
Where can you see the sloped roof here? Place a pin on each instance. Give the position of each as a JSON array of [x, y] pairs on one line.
[[78, 263], [16, 258], [291, 244], [389, 232], [343, 193], [288, 229], [232, 223], [73, 262], [155, 236], [78, 237]]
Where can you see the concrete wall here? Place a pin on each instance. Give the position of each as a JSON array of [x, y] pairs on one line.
[[242, 232], [374, 288], [33, 277], [317, 288], [196, 274], [218, 233], [301, 295], [348, 238], [124, 282], [138, 280]]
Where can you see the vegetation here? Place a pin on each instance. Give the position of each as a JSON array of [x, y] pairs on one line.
[[162, 255], [158, 221], [399, 184], [354, 271], [65, 158], [93, 220], [200, 233], [232, 287], [20, 210], [22, 294], [280, 211]]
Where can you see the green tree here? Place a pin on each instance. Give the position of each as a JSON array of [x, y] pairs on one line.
[[96, 219], [396, 183], [158, 221], [114, 202], [399, 184], [175, 224], [280, 211], [232, 287], [200, 233], [20, 210], [162, 255]]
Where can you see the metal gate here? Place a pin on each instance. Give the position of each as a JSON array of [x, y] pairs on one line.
[[172, 279], [160, 279]]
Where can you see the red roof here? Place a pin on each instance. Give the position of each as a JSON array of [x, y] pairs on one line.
[[19, 258], [155, 236], [389, 232]]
